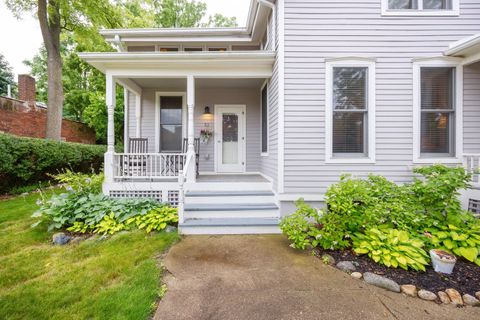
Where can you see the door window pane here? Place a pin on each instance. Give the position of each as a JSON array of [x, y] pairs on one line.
[[437, 111], [230, 138], [264, 120], [402, 4], [171, 129]]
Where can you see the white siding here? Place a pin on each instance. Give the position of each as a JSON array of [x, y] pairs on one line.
[[471, 109], [316, 30]]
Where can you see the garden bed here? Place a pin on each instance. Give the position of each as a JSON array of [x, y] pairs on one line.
[[465, 277]]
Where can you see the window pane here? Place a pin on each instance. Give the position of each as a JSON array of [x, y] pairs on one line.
[[402, 4], [436, 133], [349, 132], [437, 88], [264, 120], [437, 4], [349, 88], [171, 137], [171, 110]]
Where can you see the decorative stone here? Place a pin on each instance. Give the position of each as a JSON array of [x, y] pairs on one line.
[[382, 282], [346, 266], [470, 300], [60, 239], [409, 290], [444, 297], [477, 294], [356, 275], [103, 237], [328, 259], [455, 296], [170, 229], [76, 240], [427, 295]]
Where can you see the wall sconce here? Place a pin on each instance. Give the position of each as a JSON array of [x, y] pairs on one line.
[[207, 110]]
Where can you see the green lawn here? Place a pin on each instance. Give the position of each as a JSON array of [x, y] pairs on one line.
[[118, 278]]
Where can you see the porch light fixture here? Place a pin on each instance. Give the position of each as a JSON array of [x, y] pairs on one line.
[[207, 110]]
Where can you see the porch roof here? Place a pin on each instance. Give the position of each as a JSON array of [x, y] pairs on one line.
[[468, 48], [178, 64]]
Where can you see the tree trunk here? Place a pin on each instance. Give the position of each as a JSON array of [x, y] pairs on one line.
[[49, 18]]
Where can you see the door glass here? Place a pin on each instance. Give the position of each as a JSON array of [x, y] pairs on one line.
[[230, 138]]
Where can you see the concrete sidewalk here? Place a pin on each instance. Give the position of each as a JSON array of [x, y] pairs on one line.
[[261, 277]]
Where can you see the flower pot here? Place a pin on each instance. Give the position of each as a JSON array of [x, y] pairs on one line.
[[442, 261]]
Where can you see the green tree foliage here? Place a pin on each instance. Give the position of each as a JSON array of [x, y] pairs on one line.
[[6, 76]]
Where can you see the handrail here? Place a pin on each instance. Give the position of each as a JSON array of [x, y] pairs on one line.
[[181, 181], [148, 165], [471, 161]]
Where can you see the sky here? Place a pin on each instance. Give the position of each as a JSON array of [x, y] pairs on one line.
[[20, 39]]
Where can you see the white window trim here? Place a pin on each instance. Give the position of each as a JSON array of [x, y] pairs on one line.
[[159, 94], [455, 11], [438, 62], [264, 154], [350, 62]]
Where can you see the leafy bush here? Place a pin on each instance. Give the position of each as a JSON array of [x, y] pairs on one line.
[[24, 161], [392, 248], [155, 220]]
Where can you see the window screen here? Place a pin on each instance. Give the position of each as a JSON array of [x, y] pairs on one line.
[[265, 119], [437, 4], [402, 4], [350, 94], [171, 129], [437, 111]]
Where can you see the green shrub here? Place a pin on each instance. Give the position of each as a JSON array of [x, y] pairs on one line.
[[24, 161], [155, 220], [392, 248]]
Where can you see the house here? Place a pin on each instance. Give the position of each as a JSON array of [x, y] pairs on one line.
[[308, 90]]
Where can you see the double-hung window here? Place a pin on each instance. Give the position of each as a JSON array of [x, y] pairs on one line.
[[264, 106], [420, 7], [171, 123], [350, 111], [437, 112]]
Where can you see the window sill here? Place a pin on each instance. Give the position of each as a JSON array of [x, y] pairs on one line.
[[350, 160], [437, 160], [264, 154], [418, 13]]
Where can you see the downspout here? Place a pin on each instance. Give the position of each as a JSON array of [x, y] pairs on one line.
[[274, 17]]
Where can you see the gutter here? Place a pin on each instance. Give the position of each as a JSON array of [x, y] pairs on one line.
[[459, 46], [273, 7]]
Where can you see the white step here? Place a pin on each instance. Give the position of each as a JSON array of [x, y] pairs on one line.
[[231, 210], [231, 197], [228, 186], [230, 226]]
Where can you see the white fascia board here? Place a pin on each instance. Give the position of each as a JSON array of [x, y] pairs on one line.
[[464, 46]]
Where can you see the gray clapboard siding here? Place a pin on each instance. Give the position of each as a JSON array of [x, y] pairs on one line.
[[316, 30]]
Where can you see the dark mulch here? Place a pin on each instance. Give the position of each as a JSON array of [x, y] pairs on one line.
[[465, 277]]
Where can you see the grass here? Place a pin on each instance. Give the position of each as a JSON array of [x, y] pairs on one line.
[[117, 278]]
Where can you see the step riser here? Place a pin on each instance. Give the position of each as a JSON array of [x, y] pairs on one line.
[[230, 230], [234, 186], [229, 199], [231, 214]]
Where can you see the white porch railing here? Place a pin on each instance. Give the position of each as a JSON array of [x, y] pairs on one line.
[[472, 164], [148, 165]]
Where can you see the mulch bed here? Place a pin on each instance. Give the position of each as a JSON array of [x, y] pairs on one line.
[[465, 277]]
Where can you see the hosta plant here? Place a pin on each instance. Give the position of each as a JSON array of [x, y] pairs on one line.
[[392, 248], [155, 220]]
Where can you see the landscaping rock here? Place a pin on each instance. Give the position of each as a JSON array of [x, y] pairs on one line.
[[477, 294], [455, 296], [427, 295], [60, 239], [103, 238], [409, 290], [356, 275], [328, 259], [346, 266], [76, 240], [382, 282], [170, 229], [470, 300], [444, 297]]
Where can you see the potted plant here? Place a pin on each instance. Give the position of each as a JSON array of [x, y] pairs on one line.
[[442, 261], [205, 135]]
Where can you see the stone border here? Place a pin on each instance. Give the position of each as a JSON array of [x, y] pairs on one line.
[[449, 296]]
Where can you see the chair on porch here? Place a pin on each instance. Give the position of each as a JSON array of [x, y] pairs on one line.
[[196, 145], [137, 164]]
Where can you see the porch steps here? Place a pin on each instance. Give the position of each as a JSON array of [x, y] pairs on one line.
[[226, 211]]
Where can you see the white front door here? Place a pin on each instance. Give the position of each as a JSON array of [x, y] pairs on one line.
[[230, 138]]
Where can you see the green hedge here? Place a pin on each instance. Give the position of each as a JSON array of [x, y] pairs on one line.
[[25, 161]]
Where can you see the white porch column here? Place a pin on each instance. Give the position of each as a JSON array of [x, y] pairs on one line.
[[191, 171], [109, 159], [138, 114]]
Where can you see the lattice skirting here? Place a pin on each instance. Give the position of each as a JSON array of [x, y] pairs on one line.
[[168, 196]]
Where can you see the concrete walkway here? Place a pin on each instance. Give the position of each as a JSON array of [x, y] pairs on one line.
[[260, 277]]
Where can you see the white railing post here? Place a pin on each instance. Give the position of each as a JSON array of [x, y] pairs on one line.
[[181, 197]]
